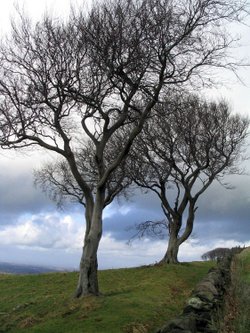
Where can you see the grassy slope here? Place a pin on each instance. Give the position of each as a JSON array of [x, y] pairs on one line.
[[134, 300], [242, 291]]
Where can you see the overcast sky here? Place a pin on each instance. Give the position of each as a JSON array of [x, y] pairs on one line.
[[33, 231]]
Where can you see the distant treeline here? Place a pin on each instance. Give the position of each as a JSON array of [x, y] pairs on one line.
[[221, 252]]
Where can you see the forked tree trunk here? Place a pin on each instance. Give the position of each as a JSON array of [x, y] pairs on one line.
[[175, 240], [171, 255], [88, 275]]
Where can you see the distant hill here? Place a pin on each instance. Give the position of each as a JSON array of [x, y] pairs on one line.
[[7, 268]]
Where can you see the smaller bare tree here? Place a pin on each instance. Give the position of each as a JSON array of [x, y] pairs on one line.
[[186, 145]]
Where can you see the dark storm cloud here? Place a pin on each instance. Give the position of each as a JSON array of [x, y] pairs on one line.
[[126, 214], [222, 213], [225, 213], [17, 192]]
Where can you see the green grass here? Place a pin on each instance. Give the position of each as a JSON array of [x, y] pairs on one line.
[[134, 300], [242, 291]]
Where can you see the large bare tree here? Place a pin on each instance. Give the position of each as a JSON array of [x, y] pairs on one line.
[[62, 82], [186, 144]]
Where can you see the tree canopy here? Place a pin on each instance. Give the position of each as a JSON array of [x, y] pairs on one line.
[[65, 82], [186, 144]]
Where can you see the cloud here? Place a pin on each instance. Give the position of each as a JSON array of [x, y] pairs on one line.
[[17, 192], [31, 230], [44, 231], [56, 239]]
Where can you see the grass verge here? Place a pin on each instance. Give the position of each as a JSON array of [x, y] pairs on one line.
[[242, 291], [134, 300]]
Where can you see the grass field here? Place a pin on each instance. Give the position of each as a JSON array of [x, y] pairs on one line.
[[134, 300], [242, 291]]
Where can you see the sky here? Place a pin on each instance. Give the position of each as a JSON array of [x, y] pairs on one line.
[[34, 231]]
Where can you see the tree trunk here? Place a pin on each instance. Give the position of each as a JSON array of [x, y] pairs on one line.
[[175, 240], [88, 275], [189, 223], [171, 255]]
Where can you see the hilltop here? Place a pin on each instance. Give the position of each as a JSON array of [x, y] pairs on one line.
[[134, 300]]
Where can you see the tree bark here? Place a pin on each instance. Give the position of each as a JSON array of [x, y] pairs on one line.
[[171, 255], [190, 221], [88, 274], [88, 280], [175, 240]]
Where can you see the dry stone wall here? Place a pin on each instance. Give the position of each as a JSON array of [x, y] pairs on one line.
[[204, 308]]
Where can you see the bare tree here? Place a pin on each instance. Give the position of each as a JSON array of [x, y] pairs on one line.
[[63, 82], [186, 144]]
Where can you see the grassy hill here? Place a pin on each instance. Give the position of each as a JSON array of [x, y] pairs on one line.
[[134, 300]]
